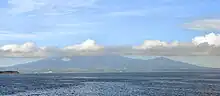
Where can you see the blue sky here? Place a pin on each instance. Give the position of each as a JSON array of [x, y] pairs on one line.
[[109, 22], [63, 23]]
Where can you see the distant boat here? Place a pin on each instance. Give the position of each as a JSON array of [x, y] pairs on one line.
[[9, 72]]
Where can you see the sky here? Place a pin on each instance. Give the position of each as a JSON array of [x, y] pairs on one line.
[[32, 25]]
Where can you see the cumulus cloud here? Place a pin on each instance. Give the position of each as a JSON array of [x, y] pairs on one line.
[[155, 43], [200, 45], [210, 39], [26, 47], [206, 24], [30, 49], [88, 45], [207, 45]]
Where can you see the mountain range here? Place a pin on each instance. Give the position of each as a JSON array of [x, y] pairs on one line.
[[107, 63]]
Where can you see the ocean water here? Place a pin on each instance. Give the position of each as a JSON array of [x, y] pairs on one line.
[[112, 84]]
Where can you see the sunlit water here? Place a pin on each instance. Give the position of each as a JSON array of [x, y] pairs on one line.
[[112, 84]]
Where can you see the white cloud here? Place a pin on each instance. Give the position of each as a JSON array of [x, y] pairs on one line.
[[211, 39], [49, 7], [7, 35], [151, 43], [206, 24], [155, 43], [88, 45], [26, 47], [12, 36], [30, 49], [200, 46]]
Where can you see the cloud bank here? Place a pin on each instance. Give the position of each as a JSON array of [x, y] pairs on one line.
[[208, 45], [204, 25]]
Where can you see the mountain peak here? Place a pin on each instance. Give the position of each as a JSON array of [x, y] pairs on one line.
[[105, 63], [161, 58]]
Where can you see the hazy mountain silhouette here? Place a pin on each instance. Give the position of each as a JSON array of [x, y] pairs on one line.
[[106, 63]]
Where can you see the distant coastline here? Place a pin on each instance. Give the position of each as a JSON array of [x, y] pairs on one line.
[[9, 72]]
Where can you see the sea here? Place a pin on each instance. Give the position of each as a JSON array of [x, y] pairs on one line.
[[112, 84]]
